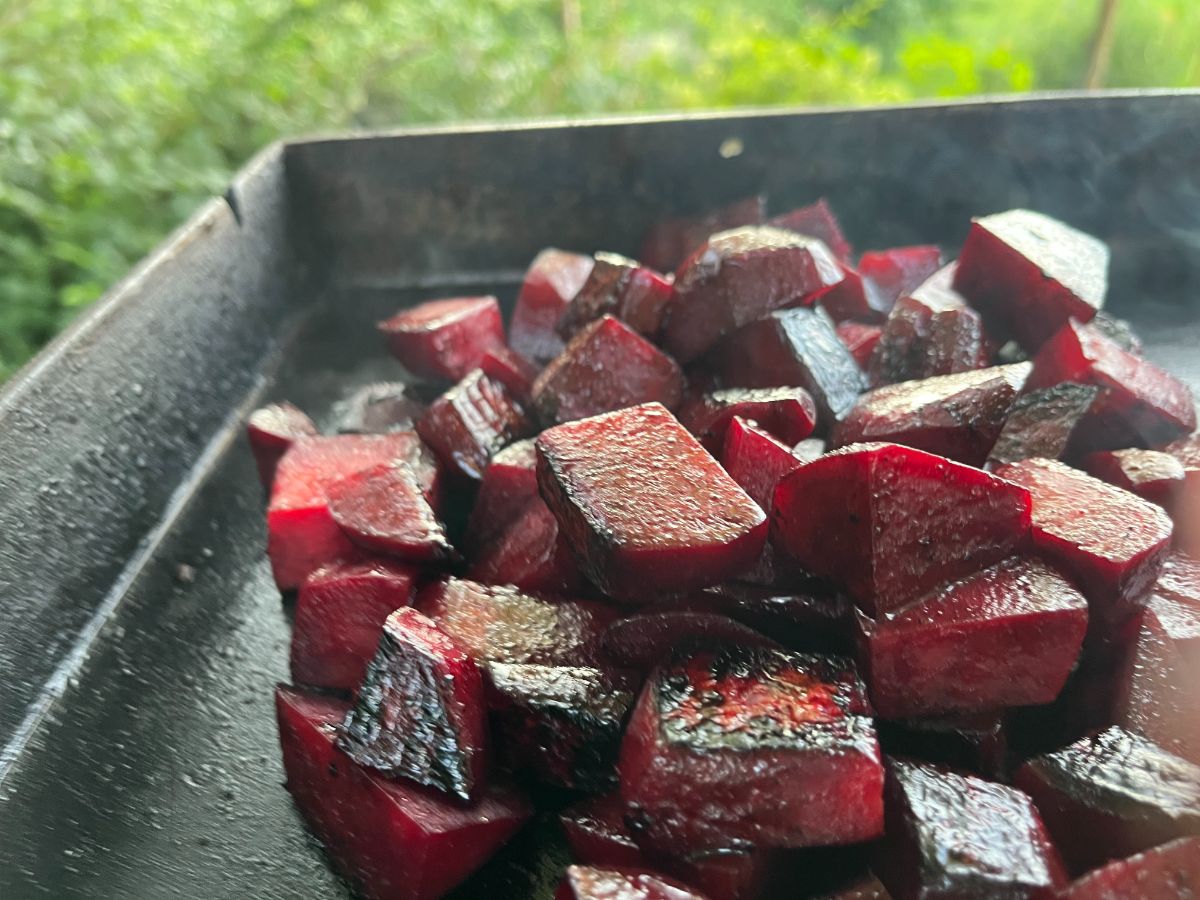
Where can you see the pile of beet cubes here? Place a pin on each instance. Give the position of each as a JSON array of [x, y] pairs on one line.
[[780, 575]]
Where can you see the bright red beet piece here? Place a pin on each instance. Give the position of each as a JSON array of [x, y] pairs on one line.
[[977, 742], [510, 369], [553, 278], [644, 507], [1028, 274], [470, 422], [620, 287], [642, 640], [380, 408], [396, 840], [1042, 422], [752, 746], [590, 883], [340, 612], [1168, 872], [740, 276], [509, 482], [271, 431], [671, 241], [900, 270], [445, 338], [816, 220], [1006, 636], [890, 523], [860, 339], [530, 553], [787, 413], [756, 461], [383, 509], [606, 366], [1152, 475]]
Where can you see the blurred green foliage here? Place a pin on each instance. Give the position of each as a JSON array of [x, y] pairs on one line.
[[117, 118]]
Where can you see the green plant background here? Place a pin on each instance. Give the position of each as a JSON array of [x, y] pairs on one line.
[[118, 117]]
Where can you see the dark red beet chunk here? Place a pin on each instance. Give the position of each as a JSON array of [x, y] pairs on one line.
[[952, 835], [644, 507], [860, 339], [510, 369], [855, 299], [1006, 636], [597, 834], [271, 431], [787, 413], [622, 288], [806, 614], [470, 422], [816, 220], [752, 746], [607, 366], [977, 742], [1028, 274], [420, 712], [642, 640], [1168, 872], [396, 840], [509, 482], [383, 509], [1042, 422], [740, 276], [1150, 474], [670, 242], [589, 883], [1185, 507], [1112, 795], [554, 277], [380, 409], [530, 553], [1176, 601], [445, 338], [956, 416], [756, 461], [891, 523], [900, 270], [339, 615]]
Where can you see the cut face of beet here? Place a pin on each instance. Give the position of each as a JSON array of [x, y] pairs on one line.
[[756, 460], [671, 241], [1042, 422], [380, 409], [739, 276], [271, 431], [891, 523], [1112, 795], [1152, 475], [339, 615], [855, 299], [1163, 873], [509, 482], [420, 711], [787, 413], [900, 270], [641, 641], [510, 369], [1006, 636], [1028, 274], [751, 746], [606, 366], [395, 840], [383, 509], [860, 340], [956, 416], [817, 220], [644, 507], [977, 742], [470, 422], [1176, 602], [553, 278], [591, 883], [530, 553], [620, 287], [445, 338]]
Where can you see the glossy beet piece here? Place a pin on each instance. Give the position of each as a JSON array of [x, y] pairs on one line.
[[606, 366], [671, 241], [855, 299], [591, 883], [380, 408], [445, 338], [792, 348], [644, 507], [1006, 636], [739, 276], [1168, 872], [469, 423], [756, 460], [1119, 331], [384, 510], [597, 834], [1176, 600], [860, 339], [420, 710], [641, 641], [271, 431], [394, 839], [1112, 795], [1028, 274], [787, 413], [900, 270], [1150, 474], [509, 482], [891, 523], [553, 278], [340, 613], [1042, 423], [752, 746], [956, 416], [509, 368], [1185, 505], [953, 835], [619, 287], [530, 553], [977, 742], [816, 220]]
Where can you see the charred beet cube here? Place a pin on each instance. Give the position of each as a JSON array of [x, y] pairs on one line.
[[860, 339], [752, 746], [644, 507], [739, 276], [1150, 474], [420, 711], [756, 461], [900, 270], [339, 614], [952, 835], [1006, 636], [394, 839], [606, 366], [641, 641], [591, 883], [1042, 422], [1029, 274], [553, 278], [380, 408], [787, 413], [445, 338], [530, 553], [977, 742], [1167, 872], [470, 422], [805, 614], [271, 431], [509, 368], [671, 241], [383, 509], [509, 482], [817, 220], [621, 288], [1112, 795], [891, 523]]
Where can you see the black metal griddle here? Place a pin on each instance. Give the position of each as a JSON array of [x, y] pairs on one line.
[[140, 632]]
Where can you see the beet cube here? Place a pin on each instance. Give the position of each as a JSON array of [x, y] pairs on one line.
[[339, 614], [957, 416], [1167, 872], [669, 242], [817, 220], [1029, 274], [1185, 506], [470, 422], [1176, 602], [644, 507], [739, 276], [530, 553], [787, 413], [751, 746], [641, 641], [509, 368], [1150, 474], [445, 338], [396, 840], [860, 340], [900, 270], [383, 509], [591, 883], [977, 742], [890, 523], [272, 430], [854, 299], [553, 278], [756, 461], [509, 482], [606, 366], [1112, 795], [380, 408], [620, 287], [1042, 422]]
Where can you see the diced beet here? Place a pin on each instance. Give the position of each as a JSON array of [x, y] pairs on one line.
[[1110, 541], [756, 461], [751, 746], [816, 220], [1150, 474], [509, 482], [809, 449], [860, 339], [445, 338], [380, 408], [644, 507], [977, 742], [953, 835], [1042, 422], [1176, 601], [854, 299], [1119, 331], [957, 416], [339, 615], [530, 553], [606, 366], [1112, 795], [669, 242], [510, 369], [787, 413], [553, 278], [1028, 274], [420, 711], [739, 276], [1185, 507], [396, 840], [470, 422], [900, 270], [890, 523], [591, 883], [383, 509], [271, 431], [622, 288], [502, 624], [642, 640], [1006, 636], [1167, 872]]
